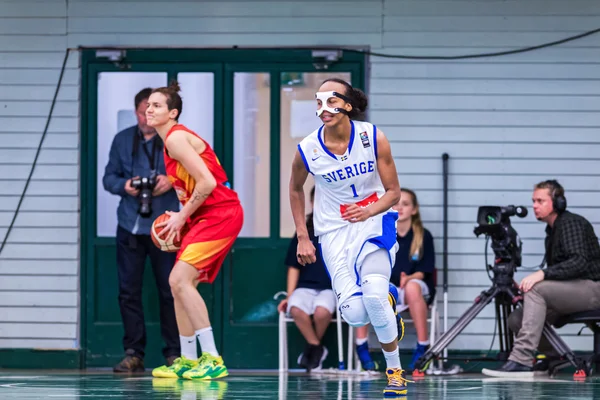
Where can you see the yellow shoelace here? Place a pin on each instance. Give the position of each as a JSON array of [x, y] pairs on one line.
[[397, 379]]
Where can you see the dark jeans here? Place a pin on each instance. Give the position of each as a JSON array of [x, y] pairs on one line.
[[132, 251]]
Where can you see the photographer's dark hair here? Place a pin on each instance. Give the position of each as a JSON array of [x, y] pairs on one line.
[[173, 98], [358, 99], [143, 94]]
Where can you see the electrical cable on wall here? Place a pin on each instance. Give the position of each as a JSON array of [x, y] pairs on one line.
[[480, 55], [372, 53], [37, 154]]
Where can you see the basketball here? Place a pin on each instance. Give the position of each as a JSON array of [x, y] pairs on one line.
[[163, 244]]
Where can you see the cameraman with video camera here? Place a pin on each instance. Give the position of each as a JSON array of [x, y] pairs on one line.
[[136, 172], [569, 284]]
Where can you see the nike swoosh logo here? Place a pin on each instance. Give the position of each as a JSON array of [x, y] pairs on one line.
[[316, 158]]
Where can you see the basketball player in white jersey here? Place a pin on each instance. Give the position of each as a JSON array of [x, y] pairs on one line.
[[356, 186]]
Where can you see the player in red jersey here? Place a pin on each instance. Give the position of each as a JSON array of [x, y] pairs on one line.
[[214, 215]]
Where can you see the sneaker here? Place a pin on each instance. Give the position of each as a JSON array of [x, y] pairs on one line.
[[510, 369], [393, 299], [131, 363], [304, 357], [317, 355], [367, 363], [418, 353], [208, 367], [396, 383], [176, 370]]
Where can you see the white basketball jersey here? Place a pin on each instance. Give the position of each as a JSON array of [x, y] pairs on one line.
[[345, 179]]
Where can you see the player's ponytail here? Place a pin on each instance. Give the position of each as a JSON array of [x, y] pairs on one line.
[[174, 101], [359, 104], [358, 99]]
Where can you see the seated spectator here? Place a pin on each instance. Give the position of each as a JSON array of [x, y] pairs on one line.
[[569, 284], [414, 268], [309, 295]]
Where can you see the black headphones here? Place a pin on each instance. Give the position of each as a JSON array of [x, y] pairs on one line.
[[558, 202]]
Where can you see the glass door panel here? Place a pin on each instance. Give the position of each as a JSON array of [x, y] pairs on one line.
[[198, 93], [251, 150], [116, 111], [298, 119]]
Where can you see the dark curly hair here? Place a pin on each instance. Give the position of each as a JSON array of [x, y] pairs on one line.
[[358, 99]]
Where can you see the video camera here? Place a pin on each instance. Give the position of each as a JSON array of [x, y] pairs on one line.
[[494, 222], [146, 186]]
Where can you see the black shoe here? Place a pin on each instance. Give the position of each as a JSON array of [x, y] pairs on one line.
[[542, 364], [317, 355], [510, 369], [304, 358], [131, 363]]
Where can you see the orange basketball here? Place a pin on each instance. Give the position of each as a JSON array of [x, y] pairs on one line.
[[162, 243]]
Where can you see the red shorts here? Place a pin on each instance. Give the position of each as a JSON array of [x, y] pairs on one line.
[[209, 240]]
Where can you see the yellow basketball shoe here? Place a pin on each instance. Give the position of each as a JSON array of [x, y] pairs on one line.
[[396, 383], [209, 367], [176, 370]]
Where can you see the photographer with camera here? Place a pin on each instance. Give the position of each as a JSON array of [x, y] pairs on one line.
[[136, 172], [569, 284]]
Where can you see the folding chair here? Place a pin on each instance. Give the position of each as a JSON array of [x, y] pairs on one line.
[[285, 318]]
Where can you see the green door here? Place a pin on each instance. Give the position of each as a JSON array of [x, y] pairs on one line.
[[273, 108], [109, 101], [253, 106]]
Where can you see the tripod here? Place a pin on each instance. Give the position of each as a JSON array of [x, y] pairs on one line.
[[506, 296]]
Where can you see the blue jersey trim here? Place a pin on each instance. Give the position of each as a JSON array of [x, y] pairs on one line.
[[351, 137], [375, 140], [326, 150], [304, 158], [323, 260], [387, 240]]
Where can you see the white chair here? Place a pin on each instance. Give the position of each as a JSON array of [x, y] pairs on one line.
[[285, 318]]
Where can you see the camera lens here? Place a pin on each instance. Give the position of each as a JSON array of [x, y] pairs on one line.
[[145, 202]]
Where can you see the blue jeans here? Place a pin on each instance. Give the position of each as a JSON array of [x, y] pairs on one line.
[[132, 251]]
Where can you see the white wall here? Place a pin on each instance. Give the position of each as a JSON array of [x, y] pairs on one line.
[[507, 122]]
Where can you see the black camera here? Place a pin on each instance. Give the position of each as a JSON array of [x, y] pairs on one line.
[[494, 222], [145, 185]]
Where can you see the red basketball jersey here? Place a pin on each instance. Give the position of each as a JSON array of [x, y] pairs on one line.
[[184, 183]]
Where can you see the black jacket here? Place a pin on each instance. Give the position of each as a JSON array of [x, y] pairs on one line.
[[572, 249]]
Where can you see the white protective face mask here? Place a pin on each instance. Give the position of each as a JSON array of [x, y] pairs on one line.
[[324, 97]]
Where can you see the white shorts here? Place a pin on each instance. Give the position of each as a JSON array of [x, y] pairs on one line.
[[402, 306], [308, 300], [345, 249]]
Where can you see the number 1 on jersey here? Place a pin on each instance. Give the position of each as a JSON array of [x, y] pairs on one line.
[[354, 190]]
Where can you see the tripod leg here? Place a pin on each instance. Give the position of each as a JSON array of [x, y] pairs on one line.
[[499, 321], [504, 334], [561, 347], [483, 300]]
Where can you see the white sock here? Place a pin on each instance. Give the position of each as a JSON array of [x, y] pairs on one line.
[[361, 341], [392, 359], [207, 341], [425, 343], [188, 347]]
